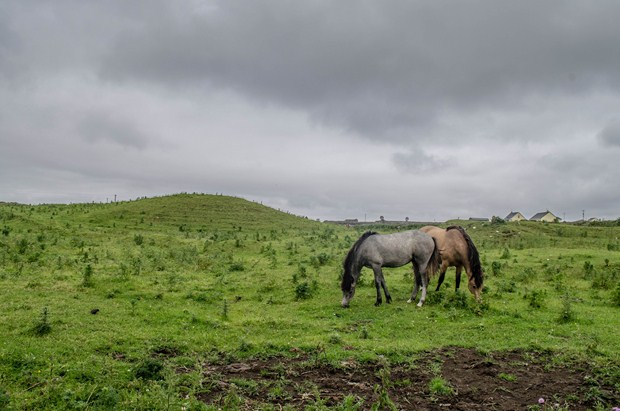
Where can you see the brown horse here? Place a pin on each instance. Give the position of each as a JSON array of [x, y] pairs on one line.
[[458, 250]]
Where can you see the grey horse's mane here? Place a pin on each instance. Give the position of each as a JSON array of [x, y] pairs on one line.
[[347, 278]]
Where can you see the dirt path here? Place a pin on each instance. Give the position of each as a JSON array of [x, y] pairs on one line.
[[448, 379]]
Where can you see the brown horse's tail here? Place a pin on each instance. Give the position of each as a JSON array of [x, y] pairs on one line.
[[434, 262], [472, 255]]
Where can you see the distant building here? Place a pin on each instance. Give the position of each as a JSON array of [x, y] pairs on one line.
[[546, 216], [478, 219], [515, 216]]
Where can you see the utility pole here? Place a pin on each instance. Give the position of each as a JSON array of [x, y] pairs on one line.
[[583, 215]]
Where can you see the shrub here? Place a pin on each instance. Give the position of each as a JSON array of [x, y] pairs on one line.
[[4, 399], [566, 315], [615, 296], [138, 239], [87, 276], [42, 326], [536, 299], [149, 369], [237, 266], [588, 270], [458, 299], [604, 279], [305, 290], [496, 268]]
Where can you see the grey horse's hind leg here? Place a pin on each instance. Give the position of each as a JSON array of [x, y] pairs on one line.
[[424, 278], [417, 280], [379, 284]]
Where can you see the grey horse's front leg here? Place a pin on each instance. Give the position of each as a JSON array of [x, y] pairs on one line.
[[416, 286], [379, 284]]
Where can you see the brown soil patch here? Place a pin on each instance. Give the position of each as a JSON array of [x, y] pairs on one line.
[[512, 380]]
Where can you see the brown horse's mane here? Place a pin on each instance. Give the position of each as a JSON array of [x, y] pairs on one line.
[[347, 278], [472, 255]]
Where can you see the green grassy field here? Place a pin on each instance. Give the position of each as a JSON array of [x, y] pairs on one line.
[[102, 304]]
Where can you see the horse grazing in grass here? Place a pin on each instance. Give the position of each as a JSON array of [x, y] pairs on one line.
[[374, 251], [458, 250]]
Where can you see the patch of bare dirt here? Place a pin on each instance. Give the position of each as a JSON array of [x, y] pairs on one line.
[[514, 380]]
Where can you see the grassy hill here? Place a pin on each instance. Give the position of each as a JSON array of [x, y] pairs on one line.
[[121, 305]]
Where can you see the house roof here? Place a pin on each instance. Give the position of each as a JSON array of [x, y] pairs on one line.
[[540, 215], [512, 214]]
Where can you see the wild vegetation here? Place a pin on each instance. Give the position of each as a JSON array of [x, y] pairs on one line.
[[213, 302]]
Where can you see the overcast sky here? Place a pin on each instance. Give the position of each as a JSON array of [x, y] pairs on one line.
[[430, 110]]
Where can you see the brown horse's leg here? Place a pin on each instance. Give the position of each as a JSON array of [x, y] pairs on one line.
[[442, 274], [458, 277]]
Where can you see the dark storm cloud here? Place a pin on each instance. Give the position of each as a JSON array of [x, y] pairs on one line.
[[416, 161], [381, 69], [609, 136]]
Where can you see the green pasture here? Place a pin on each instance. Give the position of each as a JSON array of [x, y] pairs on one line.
[[101, 305]]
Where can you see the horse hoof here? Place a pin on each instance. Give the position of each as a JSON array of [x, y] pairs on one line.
[[409, 301], [420, 304]]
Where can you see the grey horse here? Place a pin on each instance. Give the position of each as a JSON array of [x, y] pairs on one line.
[[374, 251]]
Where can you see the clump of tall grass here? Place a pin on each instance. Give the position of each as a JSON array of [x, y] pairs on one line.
[[42, 326]]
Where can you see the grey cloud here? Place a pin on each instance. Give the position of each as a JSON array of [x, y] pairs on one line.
[[96, 128], [407, 61], [609, 136], [416, 161]]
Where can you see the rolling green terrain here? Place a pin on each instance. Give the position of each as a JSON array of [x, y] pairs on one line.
[[102, 305]]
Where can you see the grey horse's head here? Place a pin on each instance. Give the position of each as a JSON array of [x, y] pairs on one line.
[[347, 295]]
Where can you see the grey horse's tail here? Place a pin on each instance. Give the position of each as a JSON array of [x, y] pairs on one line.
[[434, 263], [347, 278], [472, 255]]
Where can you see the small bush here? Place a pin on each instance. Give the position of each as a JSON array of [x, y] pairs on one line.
[[496, 268], [149, 369], [615, 296], [536, 299], [305, 290], [566, 315], [4, 399], [588, 270], [237, 266], [456, 300], [138, 239], [507, 286], [87, 276], [604, 279], [42, 326]]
